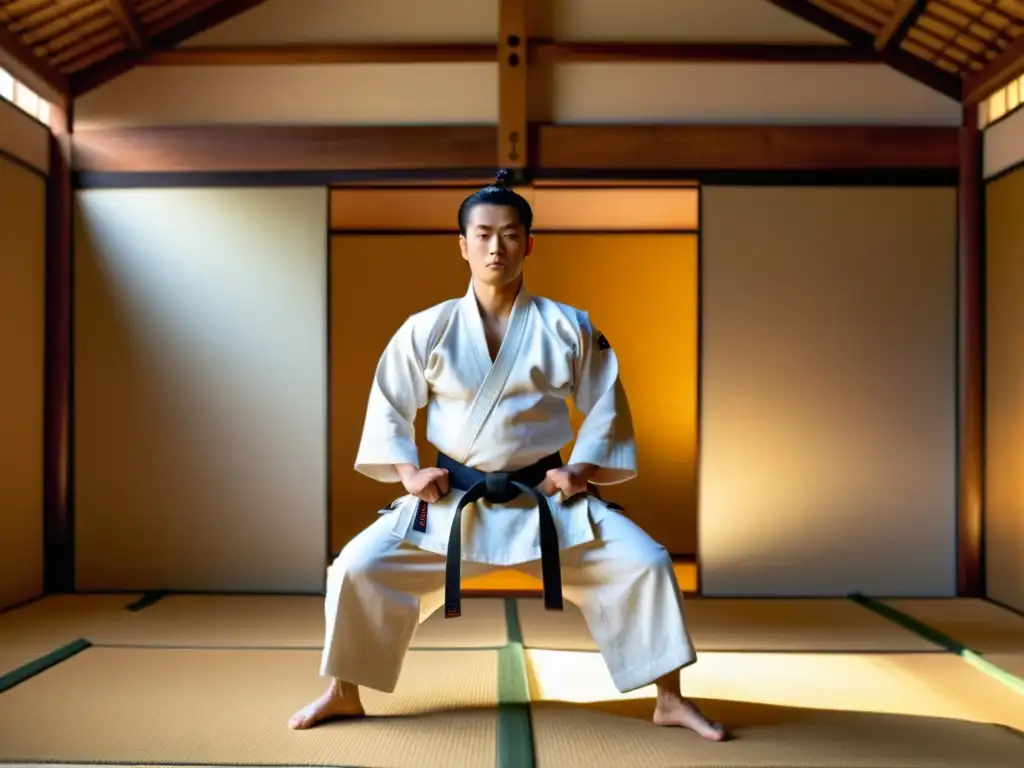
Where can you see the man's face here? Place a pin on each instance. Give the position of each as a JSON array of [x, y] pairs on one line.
[[495, 244]]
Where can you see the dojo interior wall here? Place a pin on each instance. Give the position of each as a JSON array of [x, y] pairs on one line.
[[200, 370], [24, 156], [206, 531], [629, 256], [1004, 388], [828, 421]]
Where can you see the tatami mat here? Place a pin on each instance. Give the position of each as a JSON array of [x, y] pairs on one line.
[[980, 625], [242, 621], [203, 707], [36, 629], [995, 632], [743, 625], [792, 710]]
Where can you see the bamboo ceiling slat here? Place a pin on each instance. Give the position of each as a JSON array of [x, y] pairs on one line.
[[69, 55], [96, 55], [31, 22]]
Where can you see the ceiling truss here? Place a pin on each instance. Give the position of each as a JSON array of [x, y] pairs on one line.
[[966, 49]]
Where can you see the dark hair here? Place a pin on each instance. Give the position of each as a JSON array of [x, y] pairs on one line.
[[498, 193]]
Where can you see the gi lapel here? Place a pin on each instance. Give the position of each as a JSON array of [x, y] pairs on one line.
[[497, 374]]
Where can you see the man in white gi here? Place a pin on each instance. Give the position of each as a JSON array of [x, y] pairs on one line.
[[494, 370]]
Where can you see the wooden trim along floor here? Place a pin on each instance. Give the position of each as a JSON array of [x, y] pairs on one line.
[[512, 581]]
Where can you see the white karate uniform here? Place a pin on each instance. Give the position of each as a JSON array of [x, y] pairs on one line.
[[501, 417]]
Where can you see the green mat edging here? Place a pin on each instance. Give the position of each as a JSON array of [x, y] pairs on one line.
[[972, 657], [145, 601], [515, 725], [41, 664]]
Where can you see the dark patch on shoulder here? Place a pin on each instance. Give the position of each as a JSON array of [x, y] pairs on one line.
[[613, 505], [603, 343]]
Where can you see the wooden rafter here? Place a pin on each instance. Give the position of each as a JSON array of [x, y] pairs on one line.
[[31, 69], [966, 51], [896, 29], [213, 13], [910, 65], [1000, 71], [128, 22]]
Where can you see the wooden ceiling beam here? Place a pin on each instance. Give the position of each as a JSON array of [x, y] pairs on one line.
[[513, 148], [538, 50], [695, 149], [898, 27], [127, 20], [378, 153], [211, 15], [1000, 71], [551, 51], [338, 53], [30, 69], [911, 66]]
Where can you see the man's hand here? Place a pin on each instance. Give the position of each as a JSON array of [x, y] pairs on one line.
[[428, 484], [570, 480]]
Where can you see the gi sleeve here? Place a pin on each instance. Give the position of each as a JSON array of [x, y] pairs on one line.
[[398, 391], [606, 438]]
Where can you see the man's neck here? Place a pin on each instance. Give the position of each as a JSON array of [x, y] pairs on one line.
[[496, 302]]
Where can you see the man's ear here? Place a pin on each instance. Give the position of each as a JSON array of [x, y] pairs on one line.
[[462, 247]]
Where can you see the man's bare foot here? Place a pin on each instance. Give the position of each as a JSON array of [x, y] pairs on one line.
[[341, 700], [673, 709]]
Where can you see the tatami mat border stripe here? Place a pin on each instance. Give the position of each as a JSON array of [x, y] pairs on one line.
[[164, 763], [975, 659], [515, 748], [145, 601], [41, 664]]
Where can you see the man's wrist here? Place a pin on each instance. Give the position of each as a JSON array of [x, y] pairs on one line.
[[406, 471], [583, 471]]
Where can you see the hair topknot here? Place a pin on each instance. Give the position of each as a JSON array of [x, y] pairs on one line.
[[498, 192]]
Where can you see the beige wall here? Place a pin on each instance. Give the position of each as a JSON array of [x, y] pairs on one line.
[[828, 400], [200, 389], [1004, 381], [22, 284], [1003, 144], [24, 138]]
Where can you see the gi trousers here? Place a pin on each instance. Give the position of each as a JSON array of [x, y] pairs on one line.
[[379, 589]]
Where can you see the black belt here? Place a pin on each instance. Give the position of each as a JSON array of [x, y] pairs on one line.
[[501, 488]]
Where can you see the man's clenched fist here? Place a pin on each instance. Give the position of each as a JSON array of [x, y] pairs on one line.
[[570, 480], [428, 484]]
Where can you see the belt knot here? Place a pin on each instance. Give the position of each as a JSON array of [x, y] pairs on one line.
[[498, 487]]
